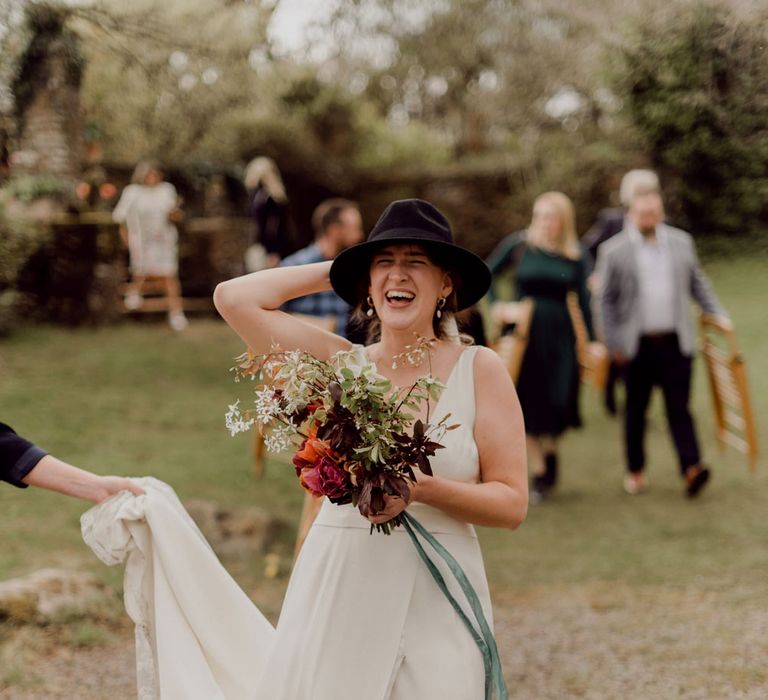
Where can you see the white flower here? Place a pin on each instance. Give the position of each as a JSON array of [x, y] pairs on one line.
[[279, 439], [352, 360], [234, 420], [267, 405]]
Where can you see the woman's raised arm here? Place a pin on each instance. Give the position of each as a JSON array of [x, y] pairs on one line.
[[250, 305]]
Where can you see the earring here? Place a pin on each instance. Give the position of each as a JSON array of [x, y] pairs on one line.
[[370, 311], [440, 307]]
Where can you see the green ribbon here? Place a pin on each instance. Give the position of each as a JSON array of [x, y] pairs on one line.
[[494, 679]]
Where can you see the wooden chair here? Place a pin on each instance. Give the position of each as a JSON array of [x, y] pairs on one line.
[[734, 420], [594, 359], [511, 346]]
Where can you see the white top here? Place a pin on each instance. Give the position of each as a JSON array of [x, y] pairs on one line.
[[152, 238], [656, 282]]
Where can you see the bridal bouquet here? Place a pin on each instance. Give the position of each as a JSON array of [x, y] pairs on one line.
[[350, 428]]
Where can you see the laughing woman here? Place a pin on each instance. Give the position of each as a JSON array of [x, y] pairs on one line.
[[363, 616]]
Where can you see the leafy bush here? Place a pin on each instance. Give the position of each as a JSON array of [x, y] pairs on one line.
[[19, 241], [27, 188], [694, 85]]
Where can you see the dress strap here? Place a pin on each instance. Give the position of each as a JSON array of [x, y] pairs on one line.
[[464, 385]]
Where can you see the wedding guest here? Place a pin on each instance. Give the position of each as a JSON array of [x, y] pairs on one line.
[[338, 225], [548, 264], [270, 240], [647, 276], [23, 464], [609, 223], [147, 213]]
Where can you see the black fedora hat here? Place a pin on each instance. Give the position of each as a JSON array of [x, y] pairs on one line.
[[419, 222]]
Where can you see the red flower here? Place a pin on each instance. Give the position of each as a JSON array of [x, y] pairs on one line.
[[333, 480], [320, 473]]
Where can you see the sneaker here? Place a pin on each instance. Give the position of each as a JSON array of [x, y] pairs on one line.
[[635, 483], [133, 301], [177, 320]]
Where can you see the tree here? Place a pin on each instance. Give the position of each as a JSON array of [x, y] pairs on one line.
[[162, 77], [695, 88]]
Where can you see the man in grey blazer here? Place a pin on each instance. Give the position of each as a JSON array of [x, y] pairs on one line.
[[646, 277]]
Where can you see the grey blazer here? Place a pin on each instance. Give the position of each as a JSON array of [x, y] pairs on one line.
[[618, 299]]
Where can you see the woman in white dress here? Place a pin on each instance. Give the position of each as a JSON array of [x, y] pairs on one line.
[[147, 210], [363, 618]]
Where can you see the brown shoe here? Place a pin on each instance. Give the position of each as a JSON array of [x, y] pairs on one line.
[[696, 478]]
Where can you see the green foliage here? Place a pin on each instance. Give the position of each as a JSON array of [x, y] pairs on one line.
[[27, 188], [694, 86], [164, 79], [19, 241], [46, 26]]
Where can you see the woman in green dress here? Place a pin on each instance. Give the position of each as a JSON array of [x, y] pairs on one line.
[[548, 264]]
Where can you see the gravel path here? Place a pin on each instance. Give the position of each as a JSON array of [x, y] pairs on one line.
[[614, 643], [597, 642]]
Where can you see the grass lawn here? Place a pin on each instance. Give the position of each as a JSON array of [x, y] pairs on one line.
[[139, 399]]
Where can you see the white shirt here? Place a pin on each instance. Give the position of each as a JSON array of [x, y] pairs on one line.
[[656, 282]]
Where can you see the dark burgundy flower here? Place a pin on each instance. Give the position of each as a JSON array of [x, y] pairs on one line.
[[330, 479]]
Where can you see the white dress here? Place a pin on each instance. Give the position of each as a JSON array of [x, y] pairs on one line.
[[152, 238], [363, 619]]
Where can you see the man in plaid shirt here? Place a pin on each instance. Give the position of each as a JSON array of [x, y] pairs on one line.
[[338, 225]]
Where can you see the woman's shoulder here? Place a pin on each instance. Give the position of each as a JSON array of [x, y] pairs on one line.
[[131, 190], [488, 366], [166, 188]]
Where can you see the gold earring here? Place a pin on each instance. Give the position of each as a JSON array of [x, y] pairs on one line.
[[370, 311], [440, 307]]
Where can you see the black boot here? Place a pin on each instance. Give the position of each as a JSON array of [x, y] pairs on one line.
[[550, 474]]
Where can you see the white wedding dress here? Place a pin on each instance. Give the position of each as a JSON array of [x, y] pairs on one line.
[[362, 619]]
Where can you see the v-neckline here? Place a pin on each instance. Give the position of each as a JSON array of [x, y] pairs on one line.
[[446, 384]]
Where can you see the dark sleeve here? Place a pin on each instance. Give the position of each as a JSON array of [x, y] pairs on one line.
[[609, 223], [585, 301], [18, 456], [505, 254], [273, 228]]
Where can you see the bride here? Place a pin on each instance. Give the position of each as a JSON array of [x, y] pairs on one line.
[[363, 617]]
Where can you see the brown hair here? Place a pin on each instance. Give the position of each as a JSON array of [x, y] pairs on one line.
[[328, 213]]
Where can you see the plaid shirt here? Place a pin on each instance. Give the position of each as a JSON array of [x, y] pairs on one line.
[[321, 304]]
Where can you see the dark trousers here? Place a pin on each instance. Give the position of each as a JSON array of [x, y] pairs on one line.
[[659, 362]]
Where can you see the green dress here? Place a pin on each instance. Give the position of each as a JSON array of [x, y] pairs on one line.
[[548, 385]]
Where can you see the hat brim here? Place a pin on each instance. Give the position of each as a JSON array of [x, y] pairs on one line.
[[351, 267]]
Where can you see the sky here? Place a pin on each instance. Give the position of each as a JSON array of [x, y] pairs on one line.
[[291, 19]]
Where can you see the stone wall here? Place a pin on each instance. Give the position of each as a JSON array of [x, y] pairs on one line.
[[47, 99]]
